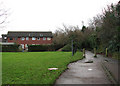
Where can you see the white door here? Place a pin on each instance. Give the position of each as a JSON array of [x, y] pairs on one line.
[[22, 46], [26, 46]]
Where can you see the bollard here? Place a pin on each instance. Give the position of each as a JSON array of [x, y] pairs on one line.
[[84, 52], [95, 52], [106, 52]]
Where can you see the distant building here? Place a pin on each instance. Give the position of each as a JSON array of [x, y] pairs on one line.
[[25, 38]]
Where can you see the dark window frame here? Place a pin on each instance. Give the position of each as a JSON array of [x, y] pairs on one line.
[[11, 38]]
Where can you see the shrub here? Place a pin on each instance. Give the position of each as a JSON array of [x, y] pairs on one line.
[[116, 55], [57, 46], [10, 48], [0, 48], [37, 48], [67, 48]]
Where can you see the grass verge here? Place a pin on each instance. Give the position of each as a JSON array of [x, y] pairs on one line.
[[32, 67]]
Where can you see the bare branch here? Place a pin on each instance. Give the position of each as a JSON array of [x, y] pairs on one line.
[[3, 15]]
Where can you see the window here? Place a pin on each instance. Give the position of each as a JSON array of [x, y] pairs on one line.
[[44, 38], [27, 38], [38, 38], [22, 38], [11, 38], [48, 38], [33, 38]]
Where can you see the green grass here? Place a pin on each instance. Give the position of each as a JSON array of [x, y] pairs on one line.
[[32, 67], [116, 55]]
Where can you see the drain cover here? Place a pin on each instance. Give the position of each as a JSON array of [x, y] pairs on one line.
[[89, 69]]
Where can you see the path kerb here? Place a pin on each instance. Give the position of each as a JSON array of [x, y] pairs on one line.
[[111, 68]]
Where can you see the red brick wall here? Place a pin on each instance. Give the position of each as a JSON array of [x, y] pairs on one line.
[[30, 41]]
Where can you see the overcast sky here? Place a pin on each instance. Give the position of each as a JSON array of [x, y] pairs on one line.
[[47, 15]]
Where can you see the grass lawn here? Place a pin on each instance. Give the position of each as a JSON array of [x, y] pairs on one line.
[[32, 67]]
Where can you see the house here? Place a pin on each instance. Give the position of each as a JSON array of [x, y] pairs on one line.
[[25, 38]]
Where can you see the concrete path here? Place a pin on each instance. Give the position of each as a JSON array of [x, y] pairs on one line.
[[84, 73]]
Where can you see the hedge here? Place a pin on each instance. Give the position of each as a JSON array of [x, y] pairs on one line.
[[10, 48], [67, 48], [37, 48]]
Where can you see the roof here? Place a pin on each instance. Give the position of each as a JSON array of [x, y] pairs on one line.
[[29, 34]]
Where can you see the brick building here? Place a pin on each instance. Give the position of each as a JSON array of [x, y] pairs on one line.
[[25, 38]]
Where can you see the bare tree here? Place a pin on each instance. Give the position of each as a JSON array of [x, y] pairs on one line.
[[96, 22], [3, 16]]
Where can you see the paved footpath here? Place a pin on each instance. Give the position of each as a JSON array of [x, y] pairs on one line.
[[84, 73]]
